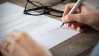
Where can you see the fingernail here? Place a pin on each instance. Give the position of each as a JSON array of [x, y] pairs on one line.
[[72, 26], [78, 29]]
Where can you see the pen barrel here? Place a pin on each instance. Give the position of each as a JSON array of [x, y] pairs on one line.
[[78, 3]]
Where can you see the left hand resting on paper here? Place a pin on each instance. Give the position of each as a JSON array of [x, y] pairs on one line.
[[21, 44]]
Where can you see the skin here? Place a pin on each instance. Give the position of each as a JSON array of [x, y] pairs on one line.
[[21, 44], [84, 15]]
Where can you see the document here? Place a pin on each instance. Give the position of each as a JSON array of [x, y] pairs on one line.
[[45, 30]]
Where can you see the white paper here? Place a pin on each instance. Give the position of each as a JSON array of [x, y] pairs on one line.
[[43, 29]]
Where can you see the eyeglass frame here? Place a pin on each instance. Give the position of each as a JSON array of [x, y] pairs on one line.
[[47, 9]]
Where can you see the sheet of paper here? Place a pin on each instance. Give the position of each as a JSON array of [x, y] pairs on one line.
[[43, 29]]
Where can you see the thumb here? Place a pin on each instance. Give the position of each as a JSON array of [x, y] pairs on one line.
[[72, 17]]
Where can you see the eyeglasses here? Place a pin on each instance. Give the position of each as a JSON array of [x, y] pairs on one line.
[[40, 9]]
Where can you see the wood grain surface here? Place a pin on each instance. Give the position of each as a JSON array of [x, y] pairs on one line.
[[78, 45]]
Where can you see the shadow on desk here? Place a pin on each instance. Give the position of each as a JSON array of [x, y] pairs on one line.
[[1, 54]]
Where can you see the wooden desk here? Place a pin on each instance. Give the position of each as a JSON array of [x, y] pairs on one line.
[[78, 45]]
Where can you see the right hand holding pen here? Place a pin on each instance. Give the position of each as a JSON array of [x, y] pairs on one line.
[[84, 15]]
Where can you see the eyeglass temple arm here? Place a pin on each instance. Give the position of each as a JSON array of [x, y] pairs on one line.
[[54, 10], [34, 9], [38, 8]]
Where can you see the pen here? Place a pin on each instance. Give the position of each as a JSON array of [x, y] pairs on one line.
[[78, 3]]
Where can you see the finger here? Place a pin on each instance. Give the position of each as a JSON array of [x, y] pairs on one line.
[[68, 8], [78, 10], [3, 51], [22, 36], [18, 34], [78, 29], [74, 26], [69, 25], [7, 45], [20, 51], [28, 43], [73, 17], [25, 41]]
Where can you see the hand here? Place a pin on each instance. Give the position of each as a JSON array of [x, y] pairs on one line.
[[84, 15], [20, 44]]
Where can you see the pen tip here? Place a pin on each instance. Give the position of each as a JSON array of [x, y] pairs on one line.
[[62, 24]]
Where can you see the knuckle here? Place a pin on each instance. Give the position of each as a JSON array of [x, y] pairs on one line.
[[19, 35], [67, 5], [8, 38]]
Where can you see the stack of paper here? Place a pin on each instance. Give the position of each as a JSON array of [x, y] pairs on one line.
[[43, 29]]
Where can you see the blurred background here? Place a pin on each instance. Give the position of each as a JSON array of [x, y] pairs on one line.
[[93, 3], [59, 6]]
